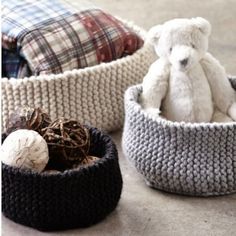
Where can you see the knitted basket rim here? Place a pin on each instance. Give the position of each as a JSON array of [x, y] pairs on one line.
[[131, 96], [68, 172]]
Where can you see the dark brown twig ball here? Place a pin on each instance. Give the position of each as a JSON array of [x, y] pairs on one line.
[[68, 142], [27, 118]]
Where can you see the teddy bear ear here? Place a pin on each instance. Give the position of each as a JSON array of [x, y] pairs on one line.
[[154, 34], [203, 25]]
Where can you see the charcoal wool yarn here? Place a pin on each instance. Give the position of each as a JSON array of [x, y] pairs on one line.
[[184, 158]]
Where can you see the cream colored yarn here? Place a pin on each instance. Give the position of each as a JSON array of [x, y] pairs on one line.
[[93, 95]]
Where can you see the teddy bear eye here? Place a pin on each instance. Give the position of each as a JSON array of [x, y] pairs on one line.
[[170, 49], [193, 46]]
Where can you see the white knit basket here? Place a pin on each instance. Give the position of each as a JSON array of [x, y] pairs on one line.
[[92, 95]]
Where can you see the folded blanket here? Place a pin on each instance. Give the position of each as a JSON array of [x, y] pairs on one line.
[[14, 65], [19, 17], [54, 36]]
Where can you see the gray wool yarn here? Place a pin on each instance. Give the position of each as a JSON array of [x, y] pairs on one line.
[[184, 158]]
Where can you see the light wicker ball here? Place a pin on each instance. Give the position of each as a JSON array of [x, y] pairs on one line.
[[25, 149]]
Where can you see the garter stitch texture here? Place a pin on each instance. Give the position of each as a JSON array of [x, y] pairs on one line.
[[93, 95], [184, 158], [74, 198]]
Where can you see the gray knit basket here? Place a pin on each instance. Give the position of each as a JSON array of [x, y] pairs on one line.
[[183, 158]]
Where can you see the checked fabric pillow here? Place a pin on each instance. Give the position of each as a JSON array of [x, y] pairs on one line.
[[57, 36]]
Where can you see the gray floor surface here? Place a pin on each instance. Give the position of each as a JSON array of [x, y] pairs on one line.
[[148, 212]]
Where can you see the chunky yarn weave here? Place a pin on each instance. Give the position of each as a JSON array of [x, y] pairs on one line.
[[93, 95], [74, 198], [184, 158]]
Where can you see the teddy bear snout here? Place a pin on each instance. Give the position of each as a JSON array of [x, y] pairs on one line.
[[182, 57], [184, 62]]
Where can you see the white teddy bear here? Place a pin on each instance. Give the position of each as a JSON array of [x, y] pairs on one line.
[[186, 83]]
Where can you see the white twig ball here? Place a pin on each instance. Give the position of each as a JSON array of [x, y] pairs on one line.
[[25, 149]]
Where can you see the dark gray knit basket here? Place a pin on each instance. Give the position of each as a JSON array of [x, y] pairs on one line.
[[184, 158], [70, 199]]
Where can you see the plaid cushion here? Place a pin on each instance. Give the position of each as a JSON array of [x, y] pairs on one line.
[[56, 36]]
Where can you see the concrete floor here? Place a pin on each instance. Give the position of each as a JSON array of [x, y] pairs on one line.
[[141, 210]]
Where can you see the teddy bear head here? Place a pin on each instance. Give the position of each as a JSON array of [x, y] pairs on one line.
[[183, 42]]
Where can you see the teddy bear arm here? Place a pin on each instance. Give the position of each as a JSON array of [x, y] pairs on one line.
[[155, 85], [222, 93]]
